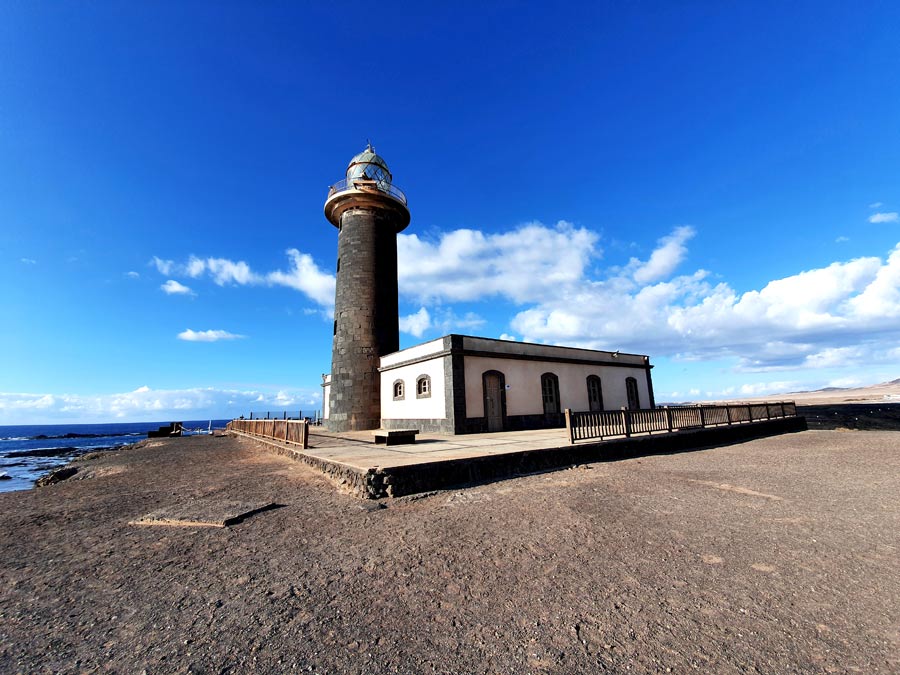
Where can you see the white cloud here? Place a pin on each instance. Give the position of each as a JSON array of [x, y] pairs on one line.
[[879, 301], [766, 388], [505, 336], [416, 324], [523, 265], [28, 261], [224, 271], [892, 217], [876, 205], [841, 239], [164, 267], [207, 335], [670, 251], [146, 404], [132, 275], [800, 321], [306, 277], [195, 267], [172, 287]]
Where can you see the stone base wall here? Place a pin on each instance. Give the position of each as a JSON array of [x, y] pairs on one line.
[[404, 480], [424, 426], [478, 425]]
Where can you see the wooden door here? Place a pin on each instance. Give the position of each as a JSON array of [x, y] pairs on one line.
[[595, 393], [550, 393], [493, 402], [631, 389]]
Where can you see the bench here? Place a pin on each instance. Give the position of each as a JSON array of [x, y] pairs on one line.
[[395, 436]]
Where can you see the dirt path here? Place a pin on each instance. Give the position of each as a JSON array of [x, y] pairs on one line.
[[776, 555]]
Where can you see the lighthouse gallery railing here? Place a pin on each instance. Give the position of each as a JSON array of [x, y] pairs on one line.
[[348, 184]]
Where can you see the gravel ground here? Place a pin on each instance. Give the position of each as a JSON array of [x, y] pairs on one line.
[[777, 555]]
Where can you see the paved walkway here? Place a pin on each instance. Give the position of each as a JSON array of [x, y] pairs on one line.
[[354, 461], [358, 449]]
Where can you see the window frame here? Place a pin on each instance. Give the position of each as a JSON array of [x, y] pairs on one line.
[[423, 381], [399, 390]]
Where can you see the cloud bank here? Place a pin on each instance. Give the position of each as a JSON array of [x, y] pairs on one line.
[[838, 315], [149, 405]]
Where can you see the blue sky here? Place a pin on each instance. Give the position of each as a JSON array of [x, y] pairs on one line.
[[712, 184]]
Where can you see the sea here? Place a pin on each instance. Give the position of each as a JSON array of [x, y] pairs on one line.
[[27, 452]]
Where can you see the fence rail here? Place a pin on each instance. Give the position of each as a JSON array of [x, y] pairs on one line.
[[312, 415], [366, 185], [612, 423], [288, 431]]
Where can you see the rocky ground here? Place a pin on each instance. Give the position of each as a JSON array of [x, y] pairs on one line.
[[776, 555], [857, 416]]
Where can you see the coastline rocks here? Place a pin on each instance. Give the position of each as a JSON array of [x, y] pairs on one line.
[[56, 476], [43, 452]]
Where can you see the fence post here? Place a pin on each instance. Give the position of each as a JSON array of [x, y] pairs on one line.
[[669, 418], [782, 409], [626, 423], [702, 416], [305, 434], [569, 426], [749, 413], [728, 414]]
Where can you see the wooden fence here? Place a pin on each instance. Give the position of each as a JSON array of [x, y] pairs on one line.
[[288, 431], [612, 423]]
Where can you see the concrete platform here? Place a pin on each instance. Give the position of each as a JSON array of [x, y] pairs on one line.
[[373, 471]]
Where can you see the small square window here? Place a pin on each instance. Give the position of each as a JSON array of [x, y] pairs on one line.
[[423, 386]]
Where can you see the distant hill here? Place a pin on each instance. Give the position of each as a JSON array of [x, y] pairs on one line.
[[884, 392]]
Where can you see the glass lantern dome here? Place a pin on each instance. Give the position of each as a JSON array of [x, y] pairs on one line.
[[368, 165]]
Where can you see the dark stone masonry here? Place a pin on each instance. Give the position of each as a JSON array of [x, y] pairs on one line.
[[368, 215]]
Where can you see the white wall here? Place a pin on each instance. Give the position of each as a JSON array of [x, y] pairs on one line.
[[523, 381], [326, 394], [411, 407]]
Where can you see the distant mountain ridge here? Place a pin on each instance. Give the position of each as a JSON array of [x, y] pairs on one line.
[[884, 392]]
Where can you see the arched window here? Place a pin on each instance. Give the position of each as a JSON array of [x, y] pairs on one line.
[[550, 393], [634, 402], [398, 390], [423, 386], [595, 393]]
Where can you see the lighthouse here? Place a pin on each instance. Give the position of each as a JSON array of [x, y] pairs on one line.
[[368, 210]]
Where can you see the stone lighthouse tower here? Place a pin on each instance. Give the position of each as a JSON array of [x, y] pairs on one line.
[[368, 211]]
